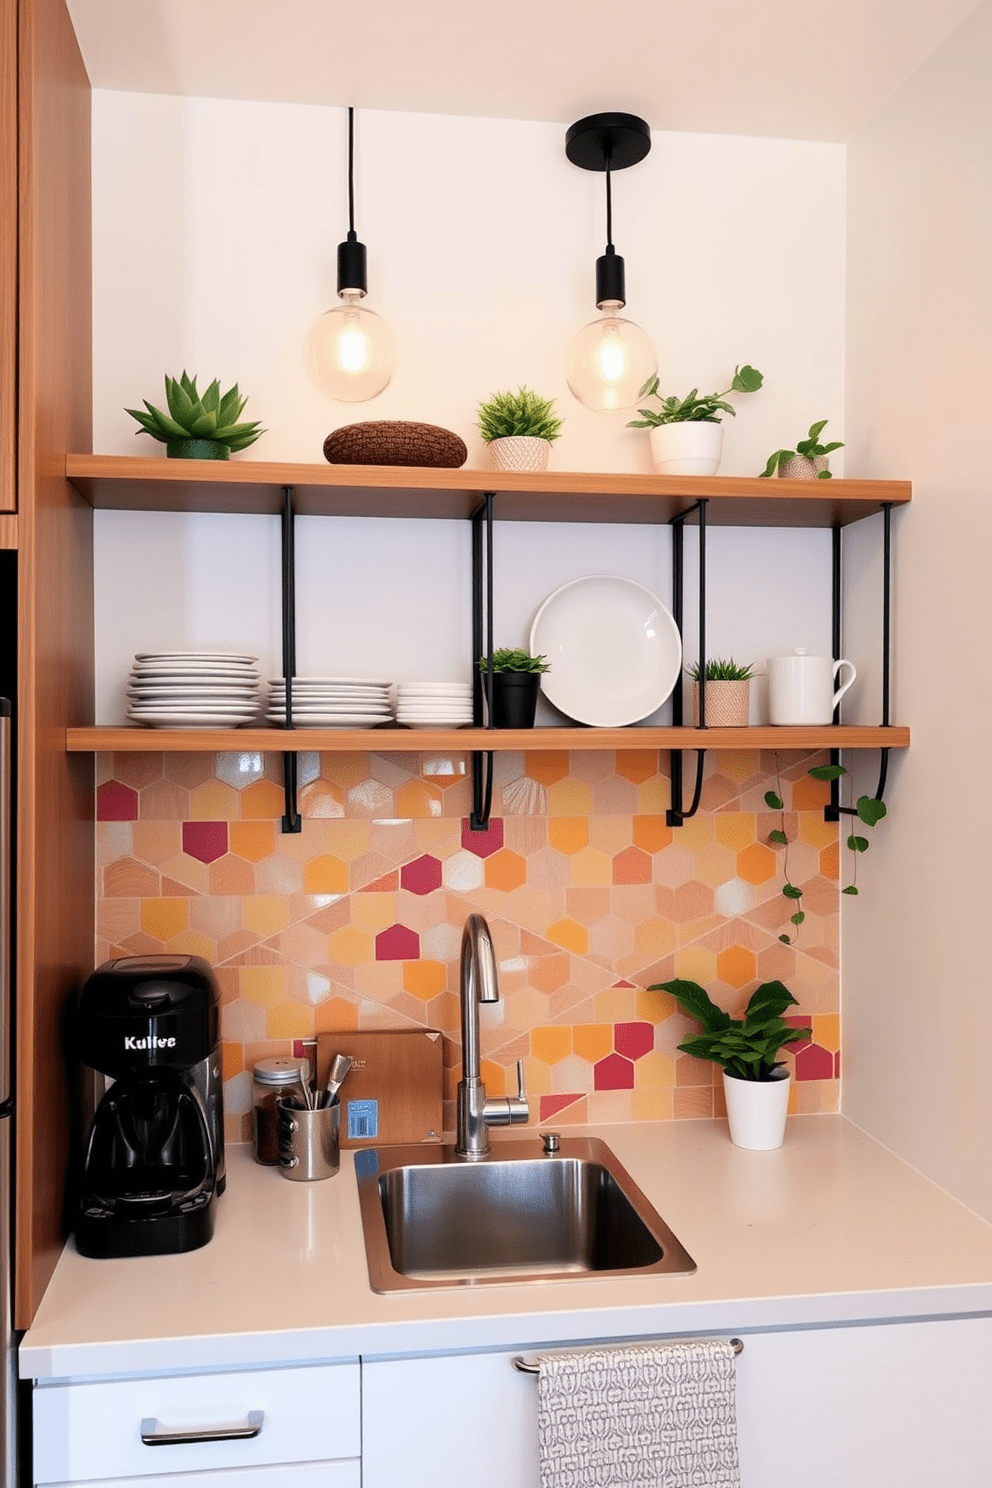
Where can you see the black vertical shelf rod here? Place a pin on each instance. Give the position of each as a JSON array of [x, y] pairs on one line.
[[291, 820], [675, 815], [482, 645]]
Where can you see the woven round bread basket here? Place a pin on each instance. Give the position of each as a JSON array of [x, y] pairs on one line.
[[395, 442]]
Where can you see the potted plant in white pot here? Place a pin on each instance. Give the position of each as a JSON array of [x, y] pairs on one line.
[[728, 693], [808, 461], [755, 1083], [198, 428], [686, 433], [516, 684], [519, 429]]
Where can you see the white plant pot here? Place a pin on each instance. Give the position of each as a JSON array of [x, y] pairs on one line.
[[519, 452], [687, 449], [756, 1110]]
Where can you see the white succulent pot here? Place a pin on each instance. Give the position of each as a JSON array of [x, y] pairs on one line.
[[687, 449], [756, 1110], [519, 452], [801, 467]]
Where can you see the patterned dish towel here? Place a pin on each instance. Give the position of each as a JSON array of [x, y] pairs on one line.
[[660, 1417]]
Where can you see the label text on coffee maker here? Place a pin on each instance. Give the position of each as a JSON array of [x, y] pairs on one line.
[[151, 1042]]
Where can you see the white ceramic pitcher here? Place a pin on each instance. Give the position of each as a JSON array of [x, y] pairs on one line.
[[801, 688]]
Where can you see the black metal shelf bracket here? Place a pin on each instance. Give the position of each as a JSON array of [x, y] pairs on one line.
[[833, 811], [482, 645], [676, 814], [291, 821]]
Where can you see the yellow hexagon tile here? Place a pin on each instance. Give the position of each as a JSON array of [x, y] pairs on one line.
[[325, 875], [189, 943], [164, 918], [569, 797], [526, 1009], [289, 1020], [551, 1044], [262, 801], [736, 966], [569, 834], [590, 868], [654, 1071], [736, 829], [695, 964], [425, 979], [373, 912], [348, 839], [418, 798], [351, 946], [654, 1104], [265, 914], [214, 801], [265, 986], [344, 770], [592, 1041], [654, 939], [615, 1005]]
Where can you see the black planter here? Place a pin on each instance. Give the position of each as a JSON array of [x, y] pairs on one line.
[[515, 699]]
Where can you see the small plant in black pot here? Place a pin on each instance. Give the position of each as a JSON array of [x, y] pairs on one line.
[[516, 684]]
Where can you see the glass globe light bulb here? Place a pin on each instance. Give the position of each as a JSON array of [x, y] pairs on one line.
[[610, 361], [348, 352]]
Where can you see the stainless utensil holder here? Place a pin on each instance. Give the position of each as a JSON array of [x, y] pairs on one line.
[[309, 1141]]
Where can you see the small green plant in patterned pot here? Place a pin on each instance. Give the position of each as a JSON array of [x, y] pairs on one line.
[[195, 427], [519, 429], [728, 693]]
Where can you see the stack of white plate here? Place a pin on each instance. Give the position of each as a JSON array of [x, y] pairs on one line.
[[331, 702], [193, 689], [436, 705]]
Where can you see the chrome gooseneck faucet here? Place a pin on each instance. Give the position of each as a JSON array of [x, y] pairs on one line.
[[479, 984]]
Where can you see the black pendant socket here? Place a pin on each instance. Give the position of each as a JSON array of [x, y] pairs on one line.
[[352, 274], [610, 278]]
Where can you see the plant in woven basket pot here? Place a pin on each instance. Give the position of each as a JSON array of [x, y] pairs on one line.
[[808, 461], [195, 427], [519, 429], [686, 433], [516, 683], [728, 693], [755, 1081]]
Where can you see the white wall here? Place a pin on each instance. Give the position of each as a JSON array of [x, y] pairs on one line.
[[916, 970], [215, 232]]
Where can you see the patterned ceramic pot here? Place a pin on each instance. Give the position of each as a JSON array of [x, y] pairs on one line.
[[800, 467], [727, 704], [519, 452], [687, 448]]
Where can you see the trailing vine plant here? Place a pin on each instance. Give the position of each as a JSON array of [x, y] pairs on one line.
[[868, 809]]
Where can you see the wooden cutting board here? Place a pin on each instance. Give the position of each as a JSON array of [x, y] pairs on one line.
[[393, 1092]]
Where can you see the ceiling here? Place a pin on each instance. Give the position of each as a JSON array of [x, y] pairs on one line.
[[799, 69]]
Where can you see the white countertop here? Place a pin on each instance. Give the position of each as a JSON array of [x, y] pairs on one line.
[[830, 1228]]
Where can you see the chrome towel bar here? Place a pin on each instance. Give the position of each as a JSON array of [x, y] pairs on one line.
[[525, 1367]]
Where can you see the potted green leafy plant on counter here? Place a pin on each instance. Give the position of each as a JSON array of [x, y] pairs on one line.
[[808, 461], [519, 429], [686, 433], [755, 1082], [516, 684], [728, 693], [195, 427]]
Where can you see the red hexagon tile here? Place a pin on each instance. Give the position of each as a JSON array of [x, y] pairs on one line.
[[614, 1073], [116, 802], [483, 844], [205, 840], [633, 1040], [397, 944], [422, 876]]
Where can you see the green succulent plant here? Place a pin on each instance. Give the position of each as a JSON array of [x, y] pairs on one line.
[[718, 670], [810, 448], [746, 1047], [693, 409], [522, 413], [507, 659], [212, 419]]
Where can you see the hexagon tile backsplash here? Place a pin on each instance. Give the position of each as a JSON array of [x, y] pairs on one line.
[[356, 921]]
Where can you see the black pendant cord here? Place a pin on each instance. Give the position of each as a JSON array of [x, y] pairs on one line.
[[609, 205], [291, 821], [482, 645], [675, 815], [351, 173]]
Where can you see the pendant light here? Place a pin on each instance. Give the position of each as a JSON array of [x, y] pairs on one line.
[[348, 352], [611, 358]]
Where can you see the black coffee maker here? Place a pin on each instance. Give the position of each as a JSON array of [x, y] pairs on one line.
[[146, 1039]]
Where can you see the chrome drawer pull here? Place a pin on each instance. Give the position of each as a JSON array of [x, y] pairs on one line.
[[153, 1436]]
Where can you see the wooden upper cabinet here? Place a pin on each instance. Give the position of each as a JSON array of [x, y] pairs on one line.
[[8, 256]]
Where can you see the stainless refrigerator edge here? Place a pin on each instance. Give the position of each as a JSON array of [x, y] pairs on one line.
[[8, 1343]]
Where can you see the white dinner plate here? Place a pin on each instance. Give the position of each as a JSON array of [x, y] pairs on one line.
[[213, 688], [443, 723], [194, 656], [433, 689], [334, 694], [192, 720], [332, 720], [333, 681], [614, 650]]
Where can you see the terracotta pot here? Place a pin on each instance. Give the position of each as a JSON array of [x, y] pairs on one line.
[[687, 448], [756, 1110], [727, 704], [519, 452]]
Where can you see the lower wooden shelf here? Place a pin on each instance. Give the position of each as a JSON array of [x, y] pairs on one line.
[[106, 740]]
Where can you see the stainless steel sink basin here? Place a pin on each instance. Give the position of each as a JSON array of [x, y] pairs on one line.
[[433, 1219]]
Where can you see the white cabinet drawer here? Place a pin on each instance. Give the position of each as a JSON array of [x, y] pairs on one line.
[[87, 1431], [300, 1475]]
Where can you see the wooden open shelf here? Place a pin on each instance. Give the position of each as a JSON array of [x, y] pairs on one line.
[[104, 740], [130, 483]]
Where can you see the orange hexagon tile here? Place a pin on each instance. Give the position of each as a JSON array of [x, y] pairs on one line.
[[637, 765], [736, 966], [350, 946], [809, 794], [757, 864], [505, 870], [252, 840], [325, 875], [262, 801], [569, 834], [425, 979], [547, 767], [164, 918], [551, 1044], [418, 798], [632, 866], [651, 833]]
